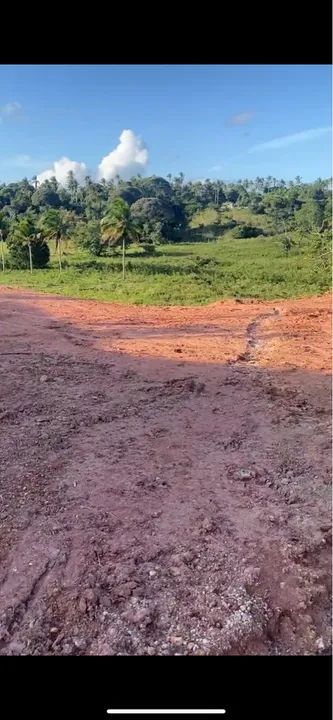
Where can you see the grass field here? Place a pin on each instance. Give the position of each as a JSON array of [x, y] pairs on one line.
[[187, 274]]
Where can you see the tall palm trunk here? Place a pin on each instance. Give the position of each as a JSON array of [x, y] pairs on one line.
[[2, 251], [123, 257], [58, 245], [30, 256]]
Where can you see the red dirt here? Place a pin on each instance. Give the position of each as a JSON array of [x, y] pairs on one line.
[[165, 477]]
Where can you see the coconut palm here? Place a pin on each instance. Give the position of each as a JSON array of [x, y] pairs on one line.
[[57, 225], [117, 227], [4, 226], [26, 240]]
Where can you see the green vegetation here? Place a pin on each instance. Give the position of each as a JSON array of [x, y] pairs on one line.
[[26, 246], [184, 274], [157, 242]]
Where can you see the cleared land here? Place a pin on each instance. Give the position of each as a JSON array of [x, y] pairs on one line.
[[165, 477]]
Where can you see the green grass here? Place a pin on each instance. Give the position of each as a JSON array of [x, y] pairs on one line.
[[247, 217], [206, 217], [186, 274]]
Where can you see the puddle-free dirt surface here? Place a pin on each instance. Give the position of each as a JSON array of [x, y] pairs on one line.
[[165, 477]]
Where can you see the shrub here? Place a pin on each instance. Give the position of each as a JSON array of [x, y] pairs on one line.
[[24, 233], [88, 236], [18, 254], [148, 248], [246, 231]]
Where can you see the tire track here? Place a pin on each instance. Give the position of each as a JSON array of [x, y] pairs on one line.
[[253, 343]]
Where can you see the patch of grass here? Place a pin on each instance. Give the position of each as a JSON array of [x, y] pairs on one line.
[[206, 217], [183, 274], [245, 216]]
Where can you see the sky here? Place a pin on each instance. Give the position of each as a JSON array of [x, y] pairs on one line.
[[218, 121]]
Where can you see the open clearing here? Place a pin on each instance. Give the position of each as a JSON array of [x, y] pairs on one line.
[[165, 477]]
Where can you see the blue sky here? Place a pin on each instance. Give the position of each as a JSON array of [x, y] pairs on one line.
[[218, 121]]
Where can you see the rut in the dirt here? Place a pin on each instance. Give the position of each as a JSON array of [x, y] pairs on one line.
[[252, 340]]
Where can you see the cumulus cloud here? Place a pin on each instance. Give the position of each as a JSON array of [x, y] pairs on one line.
[[239, 119], [287, 140], [128, 158], [61, 169]]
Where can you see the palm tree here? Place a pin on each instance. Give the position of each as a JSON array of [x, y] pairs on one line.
[[25, 234], [117, 227], [57, 225], [3, 227]]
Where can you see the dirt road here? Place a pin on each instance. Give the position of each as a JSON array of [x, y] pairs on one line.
[[165, 477]]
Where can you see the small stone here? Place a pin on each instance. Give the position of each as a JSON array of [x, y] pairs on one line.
[[80, 643], [67, 649], [175, 571], [43, 378], [89, 594], [293, 498], [188, 556], [157, 514], [243, 475], [125, 589], [326, 527], [320, 645], [53, 630], [207, 524], [251, 577], [139, 617], [282, 585], [82, 605], [152, 573], [176, 640], [142, 616]]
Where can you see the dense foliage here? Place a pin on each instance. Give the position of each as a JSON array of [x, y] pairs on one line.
[[158, 210], [26, 244]]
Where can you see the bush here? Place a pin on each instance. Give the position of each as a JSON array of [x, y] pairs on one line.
[[88, 236], [257, 208], [148, 248], [246, 231], [18, 254]]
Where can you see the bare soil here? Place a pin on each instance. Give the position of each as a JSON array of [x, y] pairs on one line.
[[165, 477]]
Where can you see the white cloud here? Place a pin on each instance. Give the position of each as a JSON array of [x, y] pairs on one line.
[[239, 119], [11, 108], [128, 158], [286, 140], [61, 169]]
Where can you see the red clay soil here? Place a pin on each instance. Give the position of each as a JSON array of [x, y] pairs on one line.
[[165, 477]]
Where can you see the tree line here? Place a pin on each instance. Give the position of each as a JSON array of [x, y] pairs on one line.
[[101, 216]]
